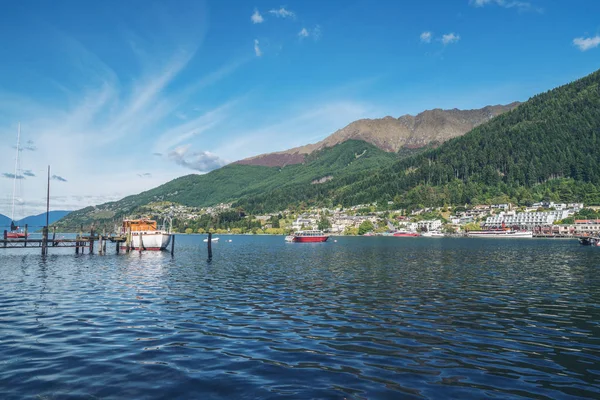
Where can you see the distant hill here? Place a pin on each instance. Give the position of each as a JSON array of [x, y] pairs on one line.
[[546, 149], [235, 181], [392, 134], [35, 222]]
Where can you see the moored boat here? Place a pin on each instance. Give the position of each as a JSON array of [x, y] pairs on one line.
[[405, 234], [500, 233], [311, 236], [145, 235], [433, 234]]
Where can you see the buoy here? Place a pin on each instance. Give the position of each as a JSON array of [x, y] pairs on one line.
[[334, 241]]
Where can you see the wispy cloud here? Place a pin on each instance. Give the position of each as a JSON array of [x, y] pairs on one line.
[[450, 38], [257, 50], [520, 5], [303, 33], [10, 175], [58, 178], [585, 44], [314, 33], [202, 161], [145, 175], [282, 12], [256, 18], [29, 173], [426, 37]]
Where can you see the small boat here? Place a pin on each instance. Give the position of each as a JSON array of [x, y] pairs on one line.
[[589, 241], [433, 234], [500, 233], [145, 234], [15, 232], [311, 236], [405, 234], [212, 240]]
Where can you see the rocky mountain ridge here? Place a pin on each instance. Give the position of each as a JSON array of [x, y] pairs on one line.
[[392, 134]]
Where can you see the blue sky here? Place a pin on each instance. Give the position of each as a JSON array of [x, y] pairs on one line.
[[121, 96]]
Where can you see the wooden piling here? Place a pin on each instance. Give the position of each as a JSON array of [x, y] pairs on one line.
[[26, 235], [141, 247], [99, 244], [209, 246], [172, 244], [92, 240], [45, 241], [53, 236], [5, 236], [128, 240]]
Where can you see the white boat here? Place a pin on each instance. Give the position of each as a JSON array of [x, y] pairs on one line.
[[433, 234], [501, 233], [145, 235], [212, 240]]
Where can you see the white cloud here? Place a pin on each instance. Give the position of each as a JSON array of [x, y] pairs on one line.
[[450, 38], [520, 5], [303, 33], [314, 33], [203, 161], [282, 13], [426, 37], [585, 44], [257, 50], [256, 17]]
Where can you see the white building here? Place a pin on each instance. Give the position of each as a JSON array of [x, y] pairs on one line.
[[429, 225], [526, 220]]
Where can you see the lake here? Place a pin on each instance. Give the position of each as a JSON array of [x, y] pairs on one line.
[[360, 318]]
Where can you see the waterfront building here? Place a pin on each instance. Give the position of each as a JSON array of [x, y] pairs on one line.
[[525, 220], [429, 225]]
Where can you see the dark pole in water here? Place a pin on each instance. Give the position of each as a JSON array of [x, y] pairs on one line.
[[26, 229], [209, 246], [48, 200], [45, 241], [172, 244]]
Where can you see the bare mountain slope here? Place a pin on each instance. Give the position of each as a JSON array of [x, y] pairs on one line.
[[391, 134]]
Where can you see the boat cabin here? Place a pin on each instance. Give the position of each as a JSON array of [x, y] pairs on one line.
[[138, 225]]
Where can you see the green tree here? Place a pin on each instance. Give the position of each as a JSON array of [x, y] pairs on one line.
[[365, 226], [324, 223]]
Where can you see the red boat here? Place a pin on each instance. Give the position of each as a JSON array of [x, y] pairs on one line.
[[405, 234], [15, 235], [307, 237]]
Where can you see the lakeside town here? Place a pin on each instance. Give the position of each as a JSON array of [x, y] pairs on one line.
[[544, 219]]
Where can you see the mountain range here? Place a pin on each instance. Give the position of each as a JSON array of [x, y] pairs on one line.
[[392, 134], [545, 148], [35, 222]]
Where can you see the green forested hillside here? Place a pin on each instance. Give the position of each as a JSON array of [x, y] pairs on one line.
[[235, 181], [548, 147]]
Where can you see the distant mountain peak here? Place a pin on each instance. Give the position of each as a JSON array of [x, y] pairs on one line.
[[392, 134]]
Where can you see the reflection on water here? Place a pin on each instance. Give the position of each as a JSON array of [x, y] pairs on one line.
[[360, 318]]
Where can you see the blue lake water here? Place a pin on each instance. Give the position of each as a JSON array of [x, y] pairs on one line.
[[363, 318]]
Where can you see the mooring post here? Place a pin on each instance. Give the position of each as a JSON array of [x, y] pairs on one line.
[[100, 238], [172, 244], [141, 246], [5, 236], [26, 235], [209, 246], [117, 246], [53, 235], [92, 240], [45, 241], [128, 240]]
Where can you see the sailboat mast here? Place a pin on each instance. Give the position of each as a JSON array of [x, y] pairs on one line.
[[12, 215]]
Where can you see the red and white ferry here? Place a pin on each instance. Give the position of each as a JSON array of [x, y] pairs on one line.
[[145, 234], [312, 236]]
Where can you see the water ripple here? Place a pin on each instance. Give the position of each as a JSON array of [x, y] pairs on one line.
[[358, 319]]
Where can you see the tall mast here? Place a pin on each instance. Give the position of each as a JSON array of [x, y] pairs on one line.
[[12, 215]]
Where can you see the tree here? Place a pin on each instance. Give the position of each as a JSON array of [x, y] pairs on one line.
[[324, 223], [189, 230], [365, 226]]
